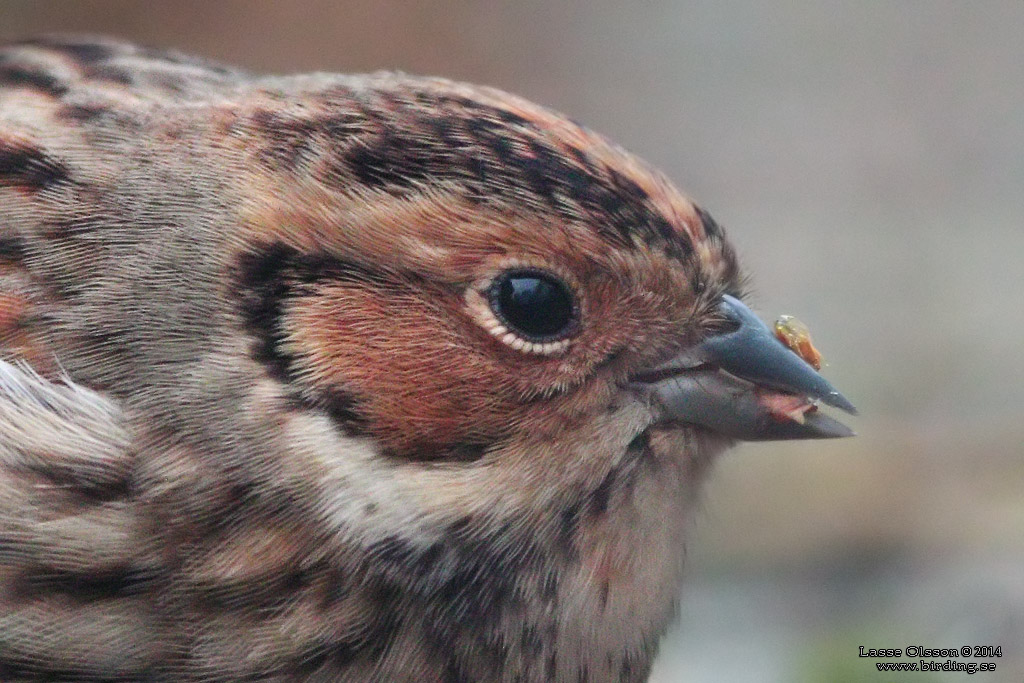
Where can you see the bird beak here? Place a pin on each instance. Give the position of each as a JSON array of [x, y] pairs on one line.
[[746, 384]]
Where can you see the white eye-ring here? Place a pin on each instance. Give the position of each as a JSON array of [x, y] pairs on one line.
[[531, 309]]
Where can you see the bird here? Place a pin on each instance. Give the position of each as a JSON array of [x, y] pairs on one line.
[[330, 377]]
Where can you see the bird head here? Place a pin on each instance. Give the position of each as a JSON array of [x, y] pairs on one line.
[[461, 272]]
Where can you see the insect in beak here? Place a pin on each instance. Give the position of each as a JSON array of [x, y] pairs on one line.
[[748, 382]]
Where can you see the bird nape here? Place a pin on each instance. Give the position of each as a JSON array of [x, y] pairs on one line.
[[351, 378]]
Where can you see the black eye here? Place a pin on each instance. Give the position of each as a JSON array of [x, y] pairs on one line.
[[534, 304]]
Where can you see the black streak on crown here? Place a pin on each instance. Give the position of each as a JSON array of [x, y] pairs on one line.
[[82, 52], [14, 76], [495, 156], [30, 167], [288, 140], [711, 227], [110, 73]]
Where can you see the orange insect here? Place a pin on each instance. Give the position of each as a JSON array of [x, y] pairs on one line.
[[797, 337]]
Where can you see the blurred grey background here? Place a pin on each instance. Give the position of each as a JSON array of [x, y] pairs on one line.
[[868, 160]]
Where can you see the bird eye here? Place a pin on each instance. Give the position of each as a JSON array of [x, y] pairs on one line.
[[533, 304]]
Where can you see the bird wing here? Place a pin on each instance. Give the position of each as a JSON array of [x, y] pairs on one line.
[[67, 554]]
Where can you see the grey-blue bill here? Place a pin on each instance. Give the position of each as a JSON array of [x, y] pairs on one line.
[[746, 384]]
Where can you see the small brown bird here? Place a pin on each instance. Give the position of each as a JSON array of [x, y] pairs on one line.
[[350, 378]]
